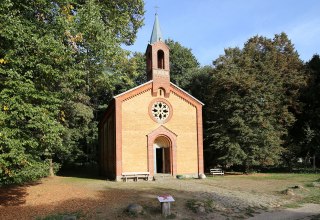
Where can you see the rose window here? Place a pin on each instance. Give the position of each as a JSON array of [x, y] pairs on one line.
[[160, 111]]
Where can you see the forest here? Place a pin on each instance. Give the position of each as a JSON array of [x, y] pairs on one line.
[[62, 61]]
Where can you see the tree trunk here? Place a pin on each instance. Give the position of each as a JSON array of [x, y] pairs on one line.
[[51, 173], [314, 161], [246, 167]]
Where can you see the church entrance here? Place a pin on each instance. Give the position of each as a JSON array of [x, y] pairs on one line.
[[162, 155], [162, 151]]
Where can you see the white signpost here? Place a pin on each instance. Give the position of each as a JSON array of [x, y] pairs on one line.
[[165, 201]]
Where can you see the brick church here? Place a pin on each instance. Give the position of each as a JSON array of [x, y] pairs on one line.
[[154, 128]]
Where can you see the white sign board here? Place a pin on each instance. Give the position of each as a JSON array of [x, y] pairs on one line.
[[165, 198]]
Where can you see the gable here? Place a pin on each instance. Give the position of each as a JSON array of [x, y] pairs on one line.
[[134, 91], [136, 122], [148, 85], [145, 87]]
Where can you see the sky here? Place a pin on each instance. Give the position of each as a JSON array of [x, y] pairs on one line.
[[207, 27]]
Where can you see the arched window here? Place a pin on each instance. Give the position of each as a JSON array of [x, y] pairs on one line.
[[160, 59], [161, 92]]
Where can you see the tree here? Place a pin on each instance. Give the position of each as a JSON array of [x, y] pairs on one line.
[[197, 81], [181, 61], [55, 58], [253, 100], [305, 133], [95, 32], [131, 73], [31, 73]]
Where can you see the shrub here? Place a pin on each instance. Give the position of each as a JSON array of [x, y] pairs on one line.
[[31, 171]]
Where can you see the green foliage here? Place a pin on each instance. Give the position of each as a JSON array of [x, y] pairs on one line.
[[26, 171], [58, 64], [181, 61], [131, 73], [305, 134], [253, 99], [61, 216], [197, 82], [207, 204]]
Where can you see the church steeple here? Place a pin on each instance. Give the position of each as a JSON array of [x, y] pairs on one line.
[[158, 61], [156, 31]]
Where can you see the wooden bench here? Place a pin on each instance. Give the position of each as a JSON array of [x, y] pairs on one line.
[[135, 175], [216, 171]]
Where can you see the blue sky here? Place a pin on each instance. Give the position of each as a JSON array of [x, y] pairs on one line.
[[209, 26]]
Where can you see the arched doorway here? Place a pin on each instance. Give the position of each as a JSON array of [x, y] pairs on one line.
[[162, 155], [164, 140]]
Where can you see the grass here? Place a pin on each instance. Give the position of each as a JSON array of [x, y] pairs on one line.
[[250, 211], [293, 205], [274, 183], [283, 176], [60, 216], [271, 176], [309, 185], [81, 180], [312, 194], [309, 194], [313, 197], [192, 204]]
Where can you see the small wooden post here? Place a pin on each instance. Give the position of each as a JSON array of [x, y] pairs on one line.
[[165, 209], [165, 201]]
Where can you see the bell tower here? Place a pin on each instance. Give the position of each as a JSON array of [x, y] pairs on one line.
[[157, 56]]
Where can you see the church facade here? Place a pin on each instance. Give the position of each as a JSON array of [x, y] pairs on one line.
[[155, 127]]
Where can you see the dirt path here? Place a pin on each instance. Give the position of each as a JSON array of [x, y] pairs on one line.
[[307, 211], [222, 198]]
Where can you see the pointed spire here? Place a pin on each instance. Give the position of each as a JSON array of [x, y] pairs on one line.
[[156, 32]]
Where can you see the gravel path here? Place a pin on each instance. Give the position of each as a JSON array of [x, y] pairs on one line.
[[307, 211], [227, 203], [226, 197]]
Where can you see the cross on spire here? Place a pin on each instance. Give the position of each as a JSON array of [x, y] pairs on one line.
[[156, 8]]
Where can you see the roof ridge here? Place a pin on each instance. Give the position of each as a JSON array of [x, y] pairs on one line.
[[132, 89]]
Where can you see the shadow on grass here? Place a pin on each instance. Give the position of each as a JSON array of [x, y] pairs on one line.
[[86, 172], [14, 195]]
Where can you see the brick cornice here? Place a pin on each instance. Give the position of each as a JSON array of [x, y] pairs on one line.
[[134, 91], [186, 96]]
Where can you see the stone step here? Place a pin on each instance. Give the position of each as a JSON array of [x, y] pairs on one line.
[[158, 177]]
